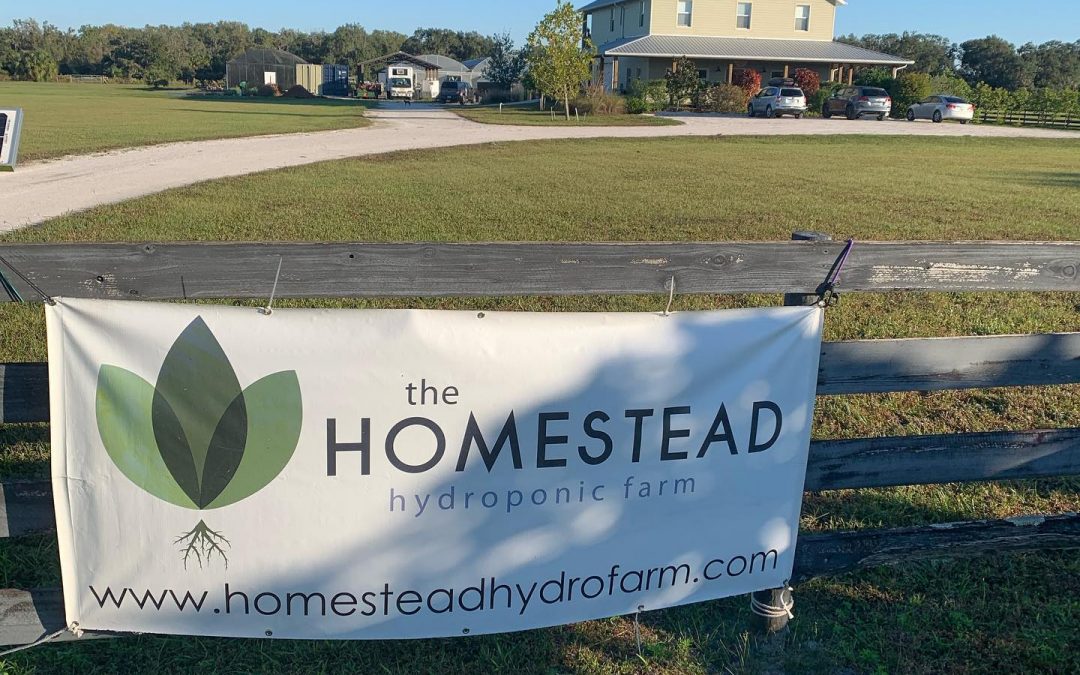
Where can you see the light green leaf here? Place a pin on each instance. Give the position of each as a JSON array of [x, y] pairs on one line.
[[274, 416], [124, 403]]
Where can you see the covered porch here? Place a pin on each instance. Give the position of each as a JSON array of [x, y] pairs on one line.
[[722, 60]]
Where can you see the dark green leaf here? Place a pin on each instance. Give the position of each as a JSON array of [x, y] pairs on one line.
[[173, 446], [199, 385], [225, 452]]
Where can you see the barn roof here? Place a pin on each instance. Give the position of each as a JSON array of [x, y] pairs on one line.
[[267, 56]]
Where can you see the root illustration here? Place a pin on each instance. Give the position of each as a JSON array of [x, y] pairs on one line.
[[202, 544]]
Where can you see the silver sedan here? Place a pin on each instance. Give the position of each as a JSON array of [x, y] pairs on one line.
[[940, 108]]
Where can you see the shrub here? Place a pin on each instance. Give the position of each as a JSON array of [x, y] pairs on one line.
[[268, 90], [646, 96], [952, 86], [596, 101], [874, 77], [808, 80], [907, 89], [816, 102], [723, 98], [682, 81], [750, 81]]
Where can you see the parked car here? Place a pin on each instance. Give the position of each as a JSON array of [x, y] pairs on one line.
[[454, 92], [777, 101], [940, 108], [854, 102]]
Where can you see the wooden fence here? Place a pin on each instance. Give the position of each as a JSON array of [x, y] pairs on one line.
[[190, 271], [1027, 118]]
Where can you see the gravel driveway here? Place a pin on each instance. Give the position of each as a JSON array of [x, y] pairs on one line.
[[39, 191]]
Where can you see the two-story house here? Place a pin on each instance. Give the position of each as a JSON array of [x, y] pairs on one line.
[[642, 39]]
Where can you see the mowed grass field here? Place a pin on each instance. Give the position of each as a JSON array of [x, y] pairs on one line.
[[1015, 613], [533, 117], [74, 119]]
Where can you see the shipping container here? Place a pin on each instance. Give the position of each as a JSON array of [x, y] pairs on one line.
[[335, 80], [309, 76]]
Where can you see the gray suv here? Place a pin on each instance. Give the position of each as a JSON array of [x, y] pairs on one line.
[[854, 102]]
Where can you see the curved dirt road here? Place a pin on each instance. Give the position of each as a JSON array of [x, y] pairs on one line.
[[40, 191]]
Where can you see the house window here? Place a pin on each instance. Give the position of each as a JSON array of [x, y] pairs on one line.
[[641, 17], [702, 75], [611, 28], [742, 15], [802, 17], [685, 13]]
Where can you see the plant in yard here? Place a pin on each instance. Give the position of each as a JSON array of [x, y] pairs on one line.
[[951, 85], [723, 98], [908, 89], [750, 81], [559, 55], [682, 81], [506, 64], [646, 96], [595, 100], [808, 80], [874, 77]]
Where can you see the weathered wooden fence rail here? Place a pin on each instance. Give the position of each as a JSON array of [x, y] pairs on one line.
[[178, 271], [1027, 118]]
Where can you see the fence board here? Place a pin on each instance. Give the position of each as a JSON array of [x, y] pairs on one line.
[[216, 270], [935, 364], [949, 458], [857, 367], [833, 553], [27, 615], [26, 506]]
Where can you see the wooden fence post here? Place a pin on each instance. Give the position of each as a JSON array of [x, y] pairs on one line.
[[781, 597]]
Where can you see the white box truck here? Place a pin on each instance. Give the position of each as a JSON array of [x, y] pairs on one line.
[[400, 82]]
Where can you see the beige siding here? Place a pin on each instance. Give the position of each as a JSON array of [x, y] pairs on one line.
[[627, 22], [770, 19]]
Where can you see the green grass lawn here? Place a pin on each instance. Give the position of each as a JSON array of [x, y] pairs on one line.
[[1014, 613], [73, 119], [533, 117]]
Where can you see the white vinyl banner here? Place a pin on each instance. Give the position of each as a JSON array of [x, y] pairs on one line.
[[403, 474]]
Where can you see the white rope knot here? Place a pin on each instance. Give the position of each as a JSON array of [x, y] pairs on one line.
[[768, 611]]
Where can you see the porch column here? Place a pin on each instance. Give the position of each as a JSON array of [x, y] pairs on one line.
[[731, 73], [599, 71], [615, 74], [851, 75], [787, 69]]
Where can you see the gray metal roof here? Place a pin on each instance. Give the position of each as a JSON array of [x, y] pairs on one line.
[[749, 49], [444, 62], [599, 4]]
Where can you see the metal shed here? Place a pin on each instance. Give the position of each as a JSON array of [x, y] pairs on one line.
[[263, 66]]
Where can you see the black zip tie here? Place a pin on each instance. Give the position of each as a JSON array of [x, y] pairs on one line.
[[13, 293], [827, 291], [45, 296]]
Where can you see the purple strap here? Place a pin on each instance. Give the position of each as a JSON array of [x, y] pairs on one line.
[[834, 276]]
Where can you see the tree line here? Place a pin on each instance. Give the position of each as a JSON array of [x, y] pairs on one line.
[[30, 50], [991, 60]]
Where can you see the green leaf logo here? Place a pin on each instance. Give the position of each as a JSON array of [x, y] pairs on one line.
[[198, 440]]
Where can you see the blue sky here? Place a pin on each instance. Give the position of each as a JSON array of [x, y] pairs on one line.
[[958, 20]]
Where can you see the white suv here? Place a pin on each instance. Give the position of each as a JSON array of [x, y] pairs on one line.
[[777, 101]]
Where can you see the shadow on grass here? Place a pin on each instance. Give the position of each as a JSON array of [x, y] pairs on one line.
[[1062, 179]]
